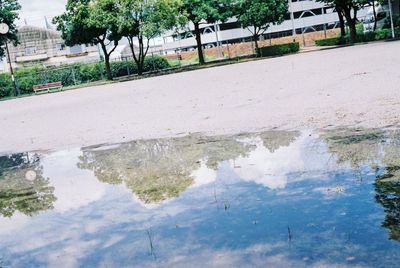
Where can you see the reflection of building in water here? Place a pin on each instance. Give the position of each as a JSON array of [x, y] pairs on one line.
[[19, 193]]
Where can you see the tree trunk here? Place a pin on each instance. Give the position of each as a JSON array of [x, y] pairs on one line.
[[353, 31], [341, 22], [108, 67], [352, 24], [255, 38], [106, 61], [374, 10], [138, 59], [141, 56], [199, 44]]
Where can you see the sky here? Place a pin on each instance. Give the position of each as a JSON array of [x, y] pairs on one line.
[[34, 11]]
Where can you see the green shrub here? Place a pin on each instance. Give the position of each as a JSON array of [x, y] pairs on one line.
[[5, 85], [279, 50], [73, 74], [155, 63], [382, 34], [123, 68], [396, 22], [363, 37], [91, 72], [333, 41], [28, 77]]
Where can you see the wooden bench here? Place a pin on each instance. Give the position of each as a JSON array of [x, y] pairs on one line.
[[47, 87]]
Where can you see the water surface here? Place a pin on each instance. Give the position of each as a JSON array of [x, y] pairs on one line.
[[282, 199]]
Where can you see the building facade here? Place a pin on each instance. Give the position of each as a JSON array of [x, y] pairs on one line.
[[46, 47], [303, 16]]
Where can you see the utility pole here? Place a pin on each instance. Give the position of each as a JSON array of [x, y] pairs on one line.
[[391, 17], [292, 17], [4, 28], [219, 52]]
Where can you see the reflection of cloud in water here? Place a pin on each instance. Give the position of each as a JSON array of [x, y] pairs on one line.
[[203, 175], [271, 169], [74, 188], [15, 222]]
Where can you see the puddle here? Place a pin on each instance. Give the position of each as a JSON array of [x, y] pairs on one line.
[[280, 199]]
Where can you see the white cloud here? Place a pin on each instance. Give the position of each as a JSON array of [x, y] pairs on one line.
[[73, 187], [34, 11]]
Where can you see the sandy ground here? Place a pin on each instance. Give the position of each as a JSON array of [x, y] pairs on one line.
[[352, 86]]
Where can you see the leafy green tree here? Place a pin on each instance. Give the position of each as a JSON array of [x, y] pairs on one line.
[[8, 15], [206, 11], [348, 9], [146, 19], [91, 22], [258, 15]]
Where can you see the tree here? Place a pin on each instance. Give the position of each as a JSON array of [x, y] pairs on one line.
[[146, 19], [206, 11], [17, 193], [8, 15], [258, 15], [387, 188], [341, 22], [158, 170], [91, 22], [348, 9]]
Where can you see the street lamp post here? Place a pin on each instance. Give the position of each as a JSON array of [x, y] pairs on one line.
[[4, 30]]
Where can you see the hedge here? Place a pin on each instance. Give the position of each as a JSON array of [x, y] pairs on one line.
[[73, 74], [334, 41], [380, 34], [279, 50]]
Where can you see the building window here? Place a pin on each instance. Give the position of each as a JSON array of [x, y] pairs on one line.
[[60, 46], [30, 50]]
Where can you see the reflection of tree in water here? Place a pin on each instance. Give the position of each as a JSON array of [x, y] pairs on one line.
[[387, 188], [273, 140], [354, 146], [381, 148], [156, 170], [17, 193]]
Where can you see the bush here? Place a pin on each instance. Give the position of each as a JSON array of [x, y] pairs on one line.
[[334, 41], [382, 34], [279, 50], [5, 85], [91, 72], [396, 22], [155, 63], [123, 68], [74, 74]]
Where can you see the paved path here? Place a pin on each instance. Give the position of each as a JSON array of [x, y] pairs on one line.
[[353, 86]]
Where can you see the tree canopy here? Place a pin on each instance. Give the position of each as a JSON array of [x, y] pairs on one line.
[[91, 22], [258, 15], [17, 193], [8, 15], [206, 11], [146, 19]]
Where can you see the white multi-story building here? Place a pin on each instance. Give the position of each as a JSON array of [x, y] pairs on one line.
[[303, 16]]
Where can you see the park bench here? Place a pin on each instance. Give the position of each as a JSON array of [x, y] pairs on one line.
[[47, 87]]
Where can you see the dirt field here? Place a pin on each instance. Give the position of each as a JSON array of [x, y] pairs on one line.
[[352, 86]]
